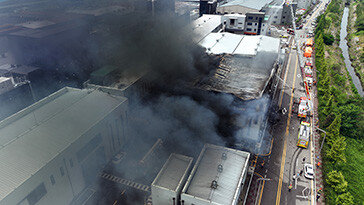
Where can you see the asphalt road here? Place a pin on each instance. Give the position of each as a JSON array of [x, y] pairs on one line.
[[286, 159]]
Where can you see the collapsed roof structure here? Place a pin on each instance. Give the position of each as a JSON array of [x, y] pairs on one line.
[[246, 66]]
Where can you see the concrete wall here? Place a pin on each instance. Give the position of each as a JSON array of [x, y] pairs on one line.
[[74, 181], [163, 196], [234, 23]]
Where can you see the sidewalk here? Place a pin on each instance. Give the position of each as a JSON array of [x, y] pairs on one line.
[[316, 139]]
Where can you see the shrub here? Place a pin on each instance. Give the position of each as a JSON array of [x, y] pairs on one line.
[[328, 39], [336, 180]]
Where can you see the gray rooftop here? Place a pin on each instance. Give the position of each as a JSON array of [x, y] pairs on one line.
[[247, 64], [173, 172], [206, 170], [205, 25], [26, 144], [253, 4]]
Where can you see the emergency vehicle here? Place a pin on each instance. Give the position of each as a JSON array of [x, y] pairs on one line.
[[304, 135], [303, 107]]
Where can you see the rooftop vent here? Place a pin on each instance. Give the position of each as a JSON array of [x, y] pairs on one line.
[[224, 156], [214, 184], [219, 168]]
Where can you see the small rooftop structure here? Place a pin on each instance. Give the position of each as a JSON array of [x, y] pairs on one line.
[[6, 84], [34, 136], [167, 186], [217, 176]]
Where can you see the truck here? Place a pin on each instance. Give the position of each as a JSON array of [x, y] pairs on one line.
[[303, 107], [304, 134]]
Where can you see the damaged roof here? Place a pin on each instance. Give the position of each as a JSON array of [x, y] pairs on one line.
[[246, 66]]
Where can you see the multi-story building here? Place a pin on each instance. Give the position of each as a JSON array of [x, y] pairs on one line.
[[52, 150]]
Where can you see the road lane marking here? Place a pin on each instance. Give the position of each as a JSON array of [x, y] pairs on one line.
[[279, 191], [261, 193]]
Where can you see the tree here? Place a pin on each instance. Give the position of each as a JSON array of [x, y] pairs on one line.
[[336, 180], [336, 151], [345, 199], [333, 131]]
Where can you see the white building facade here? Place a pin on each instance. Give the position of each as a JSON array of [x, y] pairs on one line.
[[52, 150]]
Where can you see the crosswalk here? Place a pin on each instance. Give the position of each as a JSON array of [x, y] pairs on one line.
[[126, 182]]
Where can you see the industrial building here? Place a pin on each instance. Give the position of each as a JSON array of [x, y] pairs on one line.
[[247, 65], [52, 150], [217, 177], [242, 6], [168, 185]]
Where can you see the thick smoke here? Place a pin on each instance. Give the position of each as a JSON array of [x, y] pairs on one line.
[[173, 110]]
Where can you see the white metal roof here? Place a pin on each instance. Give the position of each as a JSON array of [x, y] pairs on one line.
[[205, 25], [173, 172], [244, 45], [32, 137], [253, 4], [206, 170]]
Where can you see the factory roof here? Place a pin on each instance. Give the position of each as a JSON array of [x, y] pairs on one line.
[[204, 25], [24, 69], [225, 166], [253, 4], [49, 30], [173, 172], [35, 135], [228, 43], [104, 71], [246, 66]]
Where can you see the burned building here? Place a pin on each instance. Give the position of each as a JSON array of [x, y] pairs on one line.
[[247, 63]]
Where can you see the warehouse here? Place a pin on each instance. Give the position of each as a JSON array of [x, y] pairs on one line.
[[247, 63], [167, 186], [242, 6], [52, 150], [217, 177]]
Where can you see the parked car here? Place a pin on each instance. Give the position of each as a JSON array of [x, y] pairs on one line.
[[309, 173]]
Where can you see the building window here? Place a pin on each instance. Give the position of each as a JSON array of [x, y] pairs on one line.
[[263, 24], [275, 17], [53, 181], [71, 162], [250, 17], [232, 22], [284, 17], [249, 24], [256, 23], [256, 18], [260, 19], [255, 29], [248, 29], [262, 29], [35, 195], [274, 22], [62, 171]]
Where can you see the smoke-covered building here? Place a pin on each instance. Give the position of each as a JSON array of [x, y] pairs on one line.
[[217, 177], [168, 185], [247, 63], [52, 150]]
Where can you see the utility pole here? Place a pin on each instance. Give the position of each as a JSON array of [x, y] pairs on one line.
[[322, 143]]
